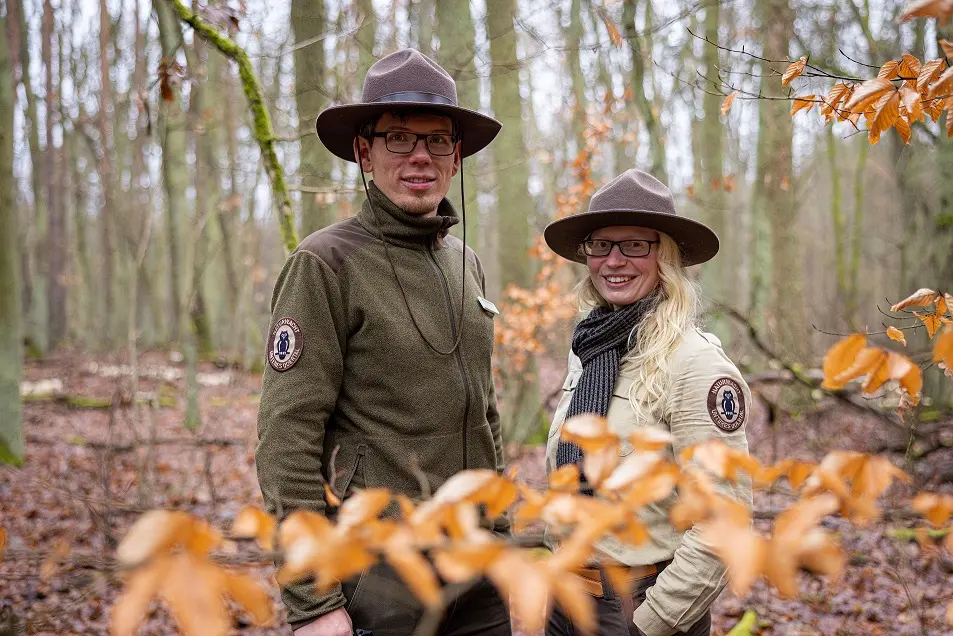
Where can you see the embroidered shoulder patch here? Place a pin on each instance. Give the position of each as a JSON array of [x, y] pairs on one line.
[[285, 344], [726, 404]]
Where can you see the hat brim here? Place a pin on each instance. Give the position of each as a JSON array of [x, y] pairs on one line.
[[696, 242], [338, 125]]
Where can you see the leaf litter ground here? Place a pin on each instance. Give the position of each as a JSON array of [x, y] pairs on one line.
[[78, 500]]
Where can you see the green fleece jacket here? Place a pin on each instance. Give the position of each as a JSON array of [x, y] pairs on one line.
[[358, 364]]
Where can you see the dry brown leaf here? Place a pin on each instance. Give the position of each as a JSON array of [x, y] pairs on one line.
[[943, 351], [793, 70], [726, 105], [943, 85], [936, 508], [911, 102], [721, 460], [902, 126], [931, 321], [889, 70], [804, 102], [611, 28], [158, 531], [947, 47], [868, 94], [796, 543], [868, 476], [741, 549], [910, 66], [565, 478], [253, 523], [927, 9], [330, 496], [930, 71], [920, 298], [796, 472], [416, 572], [841, 357], [886, 113], [363, 506], [837, 93], [895, 334], [650, 438]]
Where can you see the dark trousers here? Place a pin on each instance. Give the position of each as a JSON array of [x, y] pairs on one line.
[[379, 601], [615, 615]]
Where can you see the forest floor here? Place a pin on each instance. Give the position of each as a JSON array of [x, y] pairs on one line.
[[78, 499]]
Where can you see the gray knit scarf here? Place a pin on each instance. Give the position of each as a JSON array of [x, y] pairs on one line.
[[600, 340]]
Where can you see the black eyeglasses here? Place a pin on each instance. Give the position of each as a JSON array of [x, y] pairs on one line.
[[633, 248], [403, 143]]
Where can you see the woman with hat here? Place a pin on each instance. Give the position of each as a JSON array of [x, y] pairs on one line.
[[639, 360]]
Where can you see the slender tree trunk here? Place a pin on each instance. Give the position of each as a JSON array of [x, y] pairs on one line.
[[574, 40], [366, 38], [228, 215], [646, 110], [11, 427], [774, 197], [107, 246], [172, 132], [35, 237], [308, 21], [55, 247]]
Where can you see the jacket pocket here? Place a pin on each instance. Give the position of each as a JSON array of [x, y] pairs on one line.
[[358, 465]]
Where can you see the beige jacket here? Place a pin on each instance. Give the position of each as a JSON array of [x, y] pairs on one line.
[[703, 404]]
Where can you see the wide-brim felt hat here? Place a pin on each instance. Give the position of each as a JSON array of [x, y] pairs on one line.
[[632, 198], [402, 80]]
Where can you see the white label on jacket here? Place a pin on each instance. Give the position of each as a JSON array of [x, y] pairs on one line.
[[487, 305], [726, 404]]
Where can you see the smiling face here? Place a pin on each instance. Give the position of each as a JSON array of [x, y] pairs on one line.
[[416, 182], [622, 280]]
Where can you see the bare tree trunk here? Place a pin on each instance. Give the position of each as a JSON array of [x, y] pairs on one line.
[[172, 131], [645, 109], [308, 21], [104, 119], [56, 245], [35, 237], [11, 428]]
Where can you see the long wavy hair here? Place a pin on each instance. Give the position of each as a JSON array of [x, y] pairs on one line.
[[660, 331]]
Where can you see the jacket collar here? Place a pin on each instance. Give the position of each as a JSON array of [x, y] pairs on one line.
[[381, 217]]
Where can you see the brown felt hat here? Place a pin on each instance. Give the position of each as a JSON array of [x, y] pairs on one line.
[[632, 198], [401, 80]]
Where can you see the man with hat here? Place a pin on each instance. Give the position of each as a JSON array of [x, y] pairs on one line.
[[379, 350]]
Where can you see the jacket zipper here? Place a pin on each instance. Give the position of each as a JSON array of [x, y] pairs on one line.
[[457, 354]]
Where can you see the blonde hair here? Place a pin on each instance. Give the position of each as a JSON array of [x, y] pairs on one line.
[[660, 331]]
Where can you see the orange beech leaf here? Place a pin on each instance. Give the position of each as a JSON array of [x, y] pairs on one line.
[[793, 70], [889, 70], [930, 71], [194, 590], [943, 351], [896, 366], [565, 478], [650, 438], [619, 578], [634, 466], [947, 47], [931, 321], [726, 105], [158, 531], [611, 28], [363, 506], [937, 509], [837, 93], [933, 108], [598, 463], [943, 85], [525, 587], [920, 298], [910, 66], [416, 572], [941, 304], [463, 561], [741, 549], [911, 102], [804, 102], [902, 126], [841, 357], [657, 485], [867, 94], [330, 496], [721, 460], [927, 9], [253, 523], [868, 477], [886, 113], [795, 471], [895, 334]]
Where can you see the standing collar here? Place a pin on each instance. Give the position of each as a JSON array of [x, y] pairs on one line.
[[385, 220]]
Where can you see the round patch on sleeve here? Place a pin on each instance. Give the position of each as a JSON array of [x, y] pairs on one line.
[[285, 344], [726, 404]]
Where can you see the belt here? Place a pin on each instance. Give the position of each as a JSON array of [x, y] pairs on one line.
[[591, 578]]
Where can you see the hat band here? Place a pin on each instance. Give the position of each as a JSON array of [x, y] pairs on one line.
[[412, 96]]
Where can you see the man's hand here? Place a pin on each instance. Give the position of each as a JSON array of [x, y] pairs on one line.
[[335, 623]]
